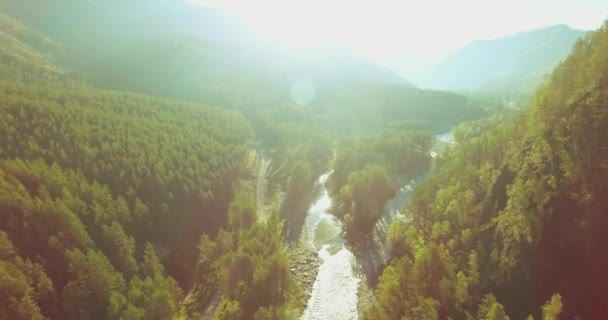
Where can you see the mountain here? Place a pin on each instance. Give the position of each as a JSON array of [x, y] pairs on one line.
[[188, 52], [157, 36], [29, 56], [513, 64]]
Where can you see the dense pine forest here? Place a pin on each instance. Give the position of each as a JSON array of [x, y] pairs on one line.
[[158, 168]]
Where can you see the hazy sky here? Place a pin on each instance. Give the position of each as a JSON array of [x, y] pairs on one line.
[[384, 30]]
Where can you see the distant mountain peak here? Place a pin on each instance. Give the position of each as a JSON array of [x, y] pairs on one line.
[[523, 56]]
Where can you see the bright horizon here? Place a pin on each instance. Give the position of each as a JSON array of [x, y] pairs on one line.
[[389, 31]]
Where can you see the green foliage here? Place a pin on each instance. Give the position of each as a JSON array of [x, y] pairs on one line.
[[485, 306], [163, 170], [93, 281], [258, 275], [360, 180], [425, 309], [7, 250], [152, 298], [27, 291], [399, 152], [247, 264], [120, 248], [150, 264], [497, 312], [57, 218], [228, 310], [29, 56], [297, 199], [553, 308], [363, 197], [165, 152], [241, 211]]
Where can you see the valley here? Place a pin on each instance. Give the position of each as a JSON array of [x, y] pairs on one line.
[[168, 160]]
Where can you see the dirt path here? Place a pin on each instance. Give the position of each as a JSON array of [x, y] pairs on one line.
[[261, 187]]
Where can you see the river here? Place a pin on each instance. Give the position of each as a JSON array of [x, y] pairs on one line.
[[334, 293]]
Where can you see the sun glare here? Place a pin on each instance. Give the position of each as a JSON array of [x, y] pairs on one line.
[[365, 27], [309, 25], [300, 25]]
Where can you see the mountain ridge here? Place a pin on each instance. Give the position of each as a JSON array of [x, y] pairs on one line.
[[497, 65]]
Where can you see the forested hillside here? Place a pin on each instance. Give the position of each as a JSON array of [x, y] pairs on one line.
[[513, 218]]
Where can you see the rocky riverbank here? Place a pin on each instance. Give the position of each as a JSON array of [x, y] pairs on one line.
[[304, 265]]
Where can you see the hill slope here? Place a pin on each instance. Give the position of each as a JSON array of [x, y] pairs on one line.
[[515, 215]]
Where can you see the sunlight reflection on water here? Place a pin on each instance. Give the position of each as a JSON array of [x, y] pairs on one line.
[[334, 293]]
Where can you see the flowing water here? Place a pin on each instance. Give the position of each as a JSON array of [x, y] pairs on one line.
[[334, 293], [446, 136], [392, 211]]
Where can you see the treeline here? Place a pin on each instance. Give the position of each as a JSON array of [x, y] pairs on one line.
[[514, 217], [368, 107], [364, 171]]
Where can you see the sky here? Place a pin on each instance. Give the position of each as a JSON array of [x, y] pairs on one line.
[[390, 31]]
